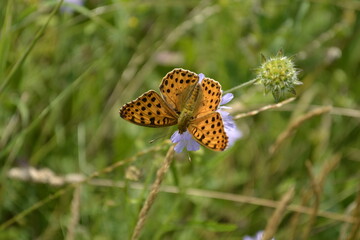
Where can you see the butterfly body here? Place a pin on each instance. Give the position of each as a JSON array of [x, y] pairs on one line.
[[187, 101], [191, 104]]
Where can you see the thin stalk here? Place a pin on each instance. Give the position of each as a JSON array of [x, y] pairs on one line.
[[38, 35], [153, 193], [241, 86]]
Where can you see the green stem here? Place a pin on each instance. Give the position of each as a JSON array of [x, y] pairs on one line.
[[38, 35], [240, 86]]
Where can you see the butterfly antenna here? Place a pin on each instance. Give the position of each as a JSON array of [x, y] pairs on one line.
[[155, 139]]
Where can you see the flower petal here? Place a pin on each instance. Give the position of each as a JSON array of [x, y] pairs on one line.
[[201, 77], [179, 147], [233, 134], [193, 145], [225, 107], [183, 140], [230, 128], [258, 236], [67, 8], [248, 238], [176, 137], [226, 98]]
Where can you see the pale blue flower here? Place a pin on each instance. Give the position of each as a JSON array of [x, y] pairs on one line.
[[67, 5], [184, 140], [226, 99], [201, 77], [231, 130], [258, 236]]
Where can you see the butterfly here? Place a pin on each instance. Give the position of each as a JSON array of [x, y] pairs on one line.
[[188, 100]]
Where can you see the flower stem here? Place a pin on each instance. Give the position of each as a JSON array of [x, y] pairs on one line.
[[153, 193], [240, 86]]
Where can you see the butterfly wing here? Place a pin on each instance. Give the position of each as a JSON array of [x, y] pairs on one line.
[[209, 131], [211, 97], [175, 86], [149, 110]]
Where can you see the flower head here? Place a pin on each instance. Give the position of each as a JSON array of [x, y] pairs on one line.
[[278, 75], [258, 236], [185, 139], [230, 127], [69, 5]]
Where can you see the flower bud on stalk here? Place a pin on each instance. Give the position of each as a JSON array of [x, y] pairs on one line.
[[278, 75]]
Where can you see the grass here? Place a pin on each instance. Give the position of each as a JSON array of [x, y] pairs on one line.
[[64, 76]]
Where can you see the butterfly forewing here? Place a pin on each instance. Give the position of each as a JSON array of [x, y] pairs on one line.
[[211, 97], [149, 110], [209, 131], [175, 85]]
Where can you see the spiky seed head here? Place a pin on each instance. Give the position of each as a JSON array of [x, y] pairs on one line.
[[278, 75]]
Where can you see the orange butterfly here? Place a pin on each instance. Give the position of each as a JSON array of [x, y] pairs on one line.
[[188, 100]]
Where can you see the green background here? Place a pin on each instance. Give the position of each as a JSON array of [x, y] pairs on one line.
[[61, 88]]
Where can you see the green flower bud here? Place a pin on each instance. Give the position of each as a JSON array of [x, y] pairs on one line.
[[278, 75]]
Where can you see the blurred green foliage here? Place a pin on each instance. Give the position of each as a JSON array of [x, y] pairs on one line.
[[59, 110]]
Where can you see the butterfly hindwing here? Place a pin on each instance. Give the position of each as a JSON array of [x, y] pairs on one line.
[[209, 131], [149, 110], [211, 97]]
